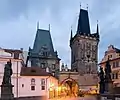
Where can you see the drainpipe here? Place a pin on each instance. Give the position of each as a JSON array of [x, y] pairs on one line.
[[46, 82]]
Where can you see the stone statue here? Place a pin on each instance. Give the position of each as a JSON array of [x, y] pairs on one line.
[[102, 81], [6, 87], [108, 71], [7, 73], [101, 75]]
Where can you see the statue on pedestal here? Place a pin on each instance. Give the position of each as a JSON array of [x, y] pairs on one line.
[[108, 79], [7, 73], [102, 81], [108, 71], [6, 87]]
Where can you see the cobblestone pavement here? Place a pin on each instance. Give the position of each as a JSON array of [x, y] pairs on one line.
[[75, 98]]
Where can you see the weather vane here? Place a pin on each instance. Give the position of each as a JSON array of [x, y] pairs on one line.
[[49, 27], [38, 25], [80, 5], [97, 21], [87, 6]]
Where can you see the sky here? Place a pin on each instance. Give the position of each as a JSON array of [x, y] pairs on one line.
[[18, 22]]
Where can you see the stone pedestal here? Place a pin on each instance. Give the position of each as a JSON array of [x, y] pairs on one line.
[[109, 86], [102, 87], [6, 92]]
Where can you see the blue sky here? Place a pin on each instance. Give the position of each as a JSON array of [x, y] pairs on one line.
[[18, 19]]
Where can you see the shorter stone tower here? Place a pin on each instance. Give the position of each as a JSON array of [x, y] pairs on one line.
[[43, 54]]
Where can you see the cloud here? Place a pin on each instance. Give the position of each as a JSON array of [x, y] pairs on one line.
[[18, 20]]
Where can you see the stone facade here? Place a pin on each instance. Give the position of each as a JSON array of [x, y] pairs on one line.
[[114, 56], [84, 54], [85, 82], [42, 54]]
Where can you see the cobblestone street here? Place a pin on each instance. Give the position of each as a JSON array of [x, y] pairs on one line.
[[75, 98]]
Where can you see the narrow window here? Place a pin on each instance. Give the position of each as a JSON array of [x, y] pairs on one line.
[[32, 84], [42, 84], [113, 64], [22, 85], [117, 64], [116, 75], [32, 81], [112, 76], [32, 88], [43, 87], [53, 66]]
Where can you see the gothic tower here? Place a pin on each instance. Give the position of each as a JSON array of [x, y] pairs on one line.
[[42, 54], [84, 46]]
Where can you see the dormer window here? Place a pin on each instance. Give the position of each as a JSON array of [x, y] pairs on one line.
[[16, 55], [109, 56], [42, 65], [45, 54]]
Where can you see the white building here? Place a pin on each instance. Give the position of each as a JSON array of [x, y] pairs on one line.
[[27, 81]]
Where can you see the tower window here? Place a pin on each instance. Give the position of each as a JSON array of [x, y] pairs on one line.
[[42, 65], [53, 66]]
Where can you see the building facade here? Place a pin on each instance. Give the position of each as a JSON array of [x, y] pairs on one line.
[[113, 54], [16, 58], [35, 81], [27, 81]]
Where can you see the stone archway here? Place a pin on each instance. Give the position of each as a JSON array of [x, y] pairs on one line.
[[70, 87]]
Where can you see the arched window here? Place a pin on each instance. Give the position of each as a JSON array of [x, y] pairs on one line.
[[32, 81]]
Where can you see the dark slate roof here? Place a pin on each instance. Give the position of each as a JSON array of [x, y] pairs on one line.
[[13, 50], [117, 50], [33, 71], [43, 38], [83, 22]]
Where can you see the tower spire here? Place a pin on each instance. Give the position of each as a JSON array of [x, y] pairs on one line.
[[97, 28], [37, 25], [49, 27], [83, 22], [71, 34]]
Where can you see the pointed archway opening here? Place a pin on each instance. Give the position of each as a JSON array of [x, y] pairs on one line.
[[69, 87]]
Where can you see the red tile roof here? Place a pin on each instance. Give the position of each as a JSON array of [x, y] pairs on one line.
[[34, 71]]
